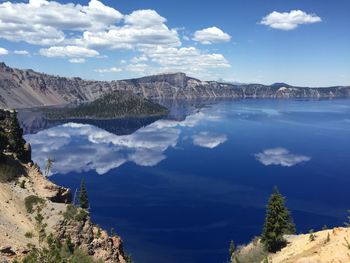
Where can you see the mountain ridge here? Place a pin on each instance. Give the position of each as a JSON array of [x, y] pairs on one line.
[[28, 88]]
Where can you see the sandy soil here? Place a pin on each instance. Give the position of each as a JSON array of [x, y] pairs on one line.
[[301, 250]]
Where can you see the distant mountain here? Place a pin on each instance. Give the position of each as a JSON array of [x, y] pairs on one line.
[[113, 105], [27, 88]]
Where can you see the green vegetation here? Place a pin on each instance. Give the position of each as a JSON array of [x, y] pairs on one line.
[[278, 222], [28, 235], [15, 135], [83, 197], [22, 184], [55, 251], [75, 213], [8, 172], [232, 248], [11, 139], [128, 259], [347, 243], [117, 104], [31, 201], [255, 254], [312, 236]]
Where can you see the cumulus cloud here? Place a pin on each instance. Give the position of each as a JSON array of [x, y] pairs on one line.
[[280, 156], [211, 35], [108, 70], [68, 51], [21, 52], [186, 59], [289, 21], [76, 31], [208, 140], [3, 51], [44, 22]]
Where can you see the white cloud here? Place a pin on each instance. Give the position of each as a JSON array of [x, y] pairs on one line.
[[185, 59], [21, 52], [44, 22], [77, 60], [144, 18], [208, 140], [108, 70], [139, 59], [280, 156], [211, 35], [76, 31], [142, 28], [3, 51], [289, 21], [68, 51]]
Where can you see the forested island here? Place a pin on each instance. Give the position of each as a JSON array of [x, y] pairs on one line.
[[114, 105]]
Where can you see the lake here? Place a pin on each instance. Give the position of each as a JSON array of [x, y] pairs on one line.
[[180, 188]]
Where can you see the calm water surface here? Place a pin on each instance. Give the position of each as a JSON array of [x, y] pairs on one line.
[[179, 189]]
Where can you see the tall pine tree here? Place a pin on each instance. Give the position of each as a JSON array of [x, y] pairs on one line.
[[16, 135], [83, 197], [278, 222]]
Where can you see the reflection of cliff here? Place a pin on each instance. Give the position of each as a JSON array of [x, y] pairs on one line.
[[33, 121], [120, 126]]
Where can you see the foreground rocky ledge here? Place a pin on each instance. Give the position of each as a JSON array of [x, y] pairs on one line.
[[327, 246], [16, 222]]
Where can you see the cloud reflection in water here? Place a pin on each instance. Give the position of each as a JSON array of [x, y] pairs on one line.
[[82, 147]]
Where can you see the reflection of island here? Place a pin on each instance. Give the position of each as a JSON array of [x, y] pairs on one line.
[[78, 147], [33, 121]]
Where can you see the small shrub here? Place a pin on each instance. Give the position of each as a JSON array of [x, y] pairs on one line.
[[128, 259], [70, 212], [312, 236], [28, 234], [347, 244], [81, 216], [74, 213], [254, 255], [8, 173], [31, 201], [22, 184], [98, 234]]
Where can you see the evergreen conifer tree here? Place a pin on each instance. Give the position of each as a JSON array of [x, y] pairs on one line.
[[16, 135], [232, 248], [278, 222], [83, 197]]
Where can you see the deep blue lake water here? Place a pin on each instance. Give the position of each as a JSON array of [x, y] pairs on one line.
[[179, 189]]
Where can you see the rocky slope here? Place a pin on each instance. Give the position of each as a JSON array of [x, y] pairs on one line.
[[27, 88], [328, 246], [25, 192]]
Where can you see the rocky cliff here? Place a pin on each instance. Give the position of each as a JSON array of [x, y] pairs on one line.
[[27, 88]]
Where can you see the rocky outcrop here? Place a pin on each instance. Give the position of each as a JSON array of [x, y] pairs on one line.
[[27, 88], [89, 237]]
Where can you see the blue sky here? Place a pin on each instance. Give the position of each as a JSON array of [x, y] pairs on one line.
[[301, 42]]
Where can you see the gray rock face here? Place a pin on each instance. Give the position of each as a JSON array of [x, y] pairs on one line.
[[27, 88]]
